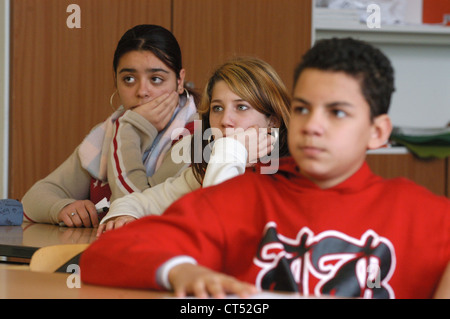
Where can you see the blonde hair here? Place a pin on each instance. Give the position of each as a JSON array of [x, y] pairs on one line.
[[256, 82]]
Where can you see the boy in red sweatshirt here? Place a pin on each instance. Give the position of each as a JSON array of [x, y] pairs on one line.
[[324, 224]]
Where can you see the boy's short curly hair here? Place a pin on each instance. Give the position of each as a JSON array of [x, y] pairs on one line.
[[358, 59]]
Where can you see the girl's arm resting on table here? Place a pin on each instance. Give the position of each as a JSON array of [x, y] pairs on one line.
[[66, 184], [154, 200], [228, 160]]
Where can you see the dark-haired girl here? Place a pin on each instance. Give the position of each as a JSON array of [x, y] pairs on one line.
[[127, 152]]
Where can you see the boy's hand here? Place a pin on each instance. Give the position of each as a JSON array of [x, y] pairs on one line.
[[114, 223], [189, 279], [159, 111]]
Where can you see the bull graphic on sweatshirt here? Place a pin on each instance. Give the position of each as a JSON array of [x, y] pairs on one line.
[[328, 263]]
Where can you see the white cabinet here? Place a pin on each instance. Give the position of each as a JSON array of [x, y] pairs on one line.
[[421, 58]]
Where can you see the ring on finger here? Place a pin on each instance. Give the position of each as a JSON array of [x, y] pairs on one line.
[[73, 214]]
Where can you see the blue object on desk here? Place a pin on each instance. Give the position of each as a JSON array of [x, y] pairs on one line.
[[11, 212]]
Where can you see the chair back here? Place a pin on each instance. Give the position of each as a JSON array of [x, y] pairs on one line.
[[56, 258]]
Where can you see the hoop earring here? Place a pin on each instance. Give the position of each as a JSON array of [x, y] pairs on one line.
[[187, 93], [111, 100]]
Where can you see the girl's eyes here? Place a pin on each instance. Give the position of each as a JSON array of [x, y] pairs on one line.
[[216, 108], [157, 80], [300, 110], [131, 79], [240, 107]]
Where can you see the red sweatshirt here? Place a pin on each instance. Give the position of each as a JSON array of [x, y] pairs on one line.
[[366, 237]]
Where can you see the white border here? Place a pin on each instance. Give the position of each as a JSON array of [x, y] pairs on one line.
[[4, 102]]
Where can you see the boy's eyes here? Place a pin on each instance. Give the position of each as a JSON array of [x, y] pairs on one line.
[[303, 110], [339, 113]]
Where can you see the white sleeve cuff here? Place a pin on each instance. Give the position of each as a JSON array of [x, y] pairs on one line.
[[228, 150], [162, 275], [228, 160]]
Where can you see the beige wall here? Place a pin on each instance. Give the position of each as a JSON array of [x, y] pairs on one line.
[[4, 96]]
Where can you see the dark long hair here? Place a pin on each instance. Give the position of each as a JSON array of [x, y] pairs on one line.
[[156, 39]]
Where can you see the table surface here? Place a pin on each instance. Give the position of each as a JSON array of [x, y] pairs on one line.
[[20, 283], [18, 243]]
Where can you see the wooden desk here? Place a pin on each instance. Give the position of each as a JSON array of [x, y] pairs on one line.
[[24, 284], [18, 243]]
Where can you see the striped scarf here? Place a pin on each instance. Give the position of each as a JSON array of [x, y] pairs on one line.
[[94, 149]]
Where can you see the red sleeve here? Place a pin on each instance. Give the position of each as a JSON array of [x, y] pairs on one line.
[[130, 256]]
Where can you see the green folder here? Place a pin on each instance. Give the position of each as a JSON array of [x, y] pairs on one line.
[[424, 142]]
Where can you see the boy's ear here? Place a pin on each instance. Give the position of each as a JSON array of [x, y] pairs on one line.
[[381, 130]]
